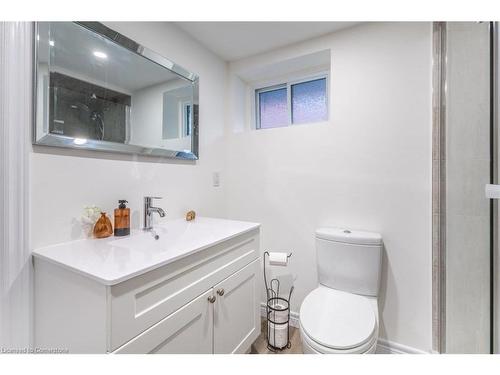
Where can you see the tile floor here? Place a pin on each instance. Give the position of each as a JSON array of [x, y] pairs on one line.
[[260, 345]]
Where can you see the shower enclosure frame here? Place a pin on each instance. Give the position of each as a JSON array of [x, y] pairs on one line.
[[439, 187], [494, 211]]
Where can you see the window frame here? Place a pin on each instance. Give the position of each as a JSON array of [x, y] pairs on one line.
[[288, 85]]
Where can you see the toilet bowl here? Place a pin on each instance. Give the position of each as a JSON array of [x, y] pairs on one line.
[[341, 315], [336, 322]]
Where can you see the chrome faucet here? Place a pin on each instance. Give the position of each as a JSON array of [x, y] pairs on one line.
[[148, 212]]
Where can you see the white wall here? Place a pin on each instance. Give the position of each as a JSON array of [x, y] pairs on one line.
[[368, 168], [62, 181]]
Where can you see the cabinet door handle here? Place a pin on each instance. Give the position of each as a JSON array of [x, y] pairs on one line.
[[220, 292], [211, 299]]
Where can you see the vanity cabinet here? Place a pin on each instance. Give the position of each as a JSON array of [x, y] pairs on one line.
[[221, 320], [205, 302]]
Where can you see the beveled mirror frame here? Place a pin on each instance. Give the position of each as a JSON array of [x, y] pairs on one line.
[[56, 140]]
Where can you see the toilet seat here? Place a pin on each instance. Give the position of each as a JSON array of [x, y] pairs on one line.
[[336, 321], [309, 346]]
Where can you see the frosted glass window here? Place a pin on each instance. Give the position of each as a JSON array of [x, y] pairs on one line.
[[273, 108], [297, 102], [309, 102]]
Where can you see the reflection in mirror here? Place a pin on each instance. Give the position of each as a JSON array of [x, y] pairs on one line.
[[96, 93]]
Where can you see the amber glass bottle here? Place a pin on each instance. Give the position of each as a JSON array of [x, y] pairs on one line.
[[122, 219], [103, 227]]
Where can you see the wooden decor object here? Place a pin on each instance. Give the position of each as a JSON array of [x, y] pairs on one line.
[[191, 215]]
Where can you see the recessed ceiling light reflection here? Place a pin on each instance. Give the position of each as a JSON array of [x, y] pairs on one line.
[[80, 141], [100, 55], [51, 43]]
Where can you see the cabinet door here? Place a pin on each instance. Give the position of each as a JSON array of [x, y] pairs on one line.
[[237, 310], [189, 330]]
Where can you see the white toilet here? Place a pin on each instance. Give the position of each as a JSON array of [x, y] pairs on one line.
[[340, 316]]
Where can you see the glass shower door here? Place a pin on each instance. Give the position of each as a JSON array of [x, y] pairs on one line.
[[468, 169]]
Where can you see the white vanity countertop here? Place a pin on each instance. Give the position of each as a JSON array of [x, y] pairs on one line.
[[115, 259]]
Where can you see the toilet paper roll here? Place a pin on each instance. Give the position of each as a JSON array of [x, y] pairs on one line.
[[280, 315], [278, 259], [278, 335]]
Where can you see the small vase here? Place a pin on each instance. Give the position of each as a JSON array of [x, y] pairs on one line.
[[103, 227]]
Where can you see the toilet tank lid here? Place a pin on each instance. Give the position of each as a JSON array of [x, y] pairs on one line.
[[349, 236]]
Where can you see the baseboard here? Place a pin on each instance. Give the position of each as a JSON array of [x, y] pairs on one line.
[[389, 347], [294, 316], [383, 346]]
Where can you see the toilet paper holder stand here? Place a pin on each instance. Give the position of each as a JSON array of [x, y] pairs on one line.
[[277, 313]]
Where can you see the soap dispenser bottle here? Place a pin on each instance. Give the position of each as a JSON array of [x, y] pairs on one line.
[[122, 219]]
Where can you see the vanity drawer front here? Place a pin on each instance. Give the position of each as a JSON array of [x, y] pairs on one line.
[[139, 303], [189, 330]]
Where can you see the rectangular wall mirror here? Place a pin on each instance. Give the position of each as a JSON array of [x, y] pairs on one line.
[[99, 90]]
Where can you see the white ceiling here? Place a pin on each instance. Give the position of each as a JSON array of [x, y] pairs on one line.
[[235, 40]]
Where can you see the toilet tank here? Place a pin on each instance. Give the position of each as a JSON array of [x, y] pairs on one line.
[[348, 260]]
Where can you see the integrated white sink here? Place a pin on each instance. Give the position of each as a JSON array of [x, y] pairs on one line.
[[164, 239], [113, 260]]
